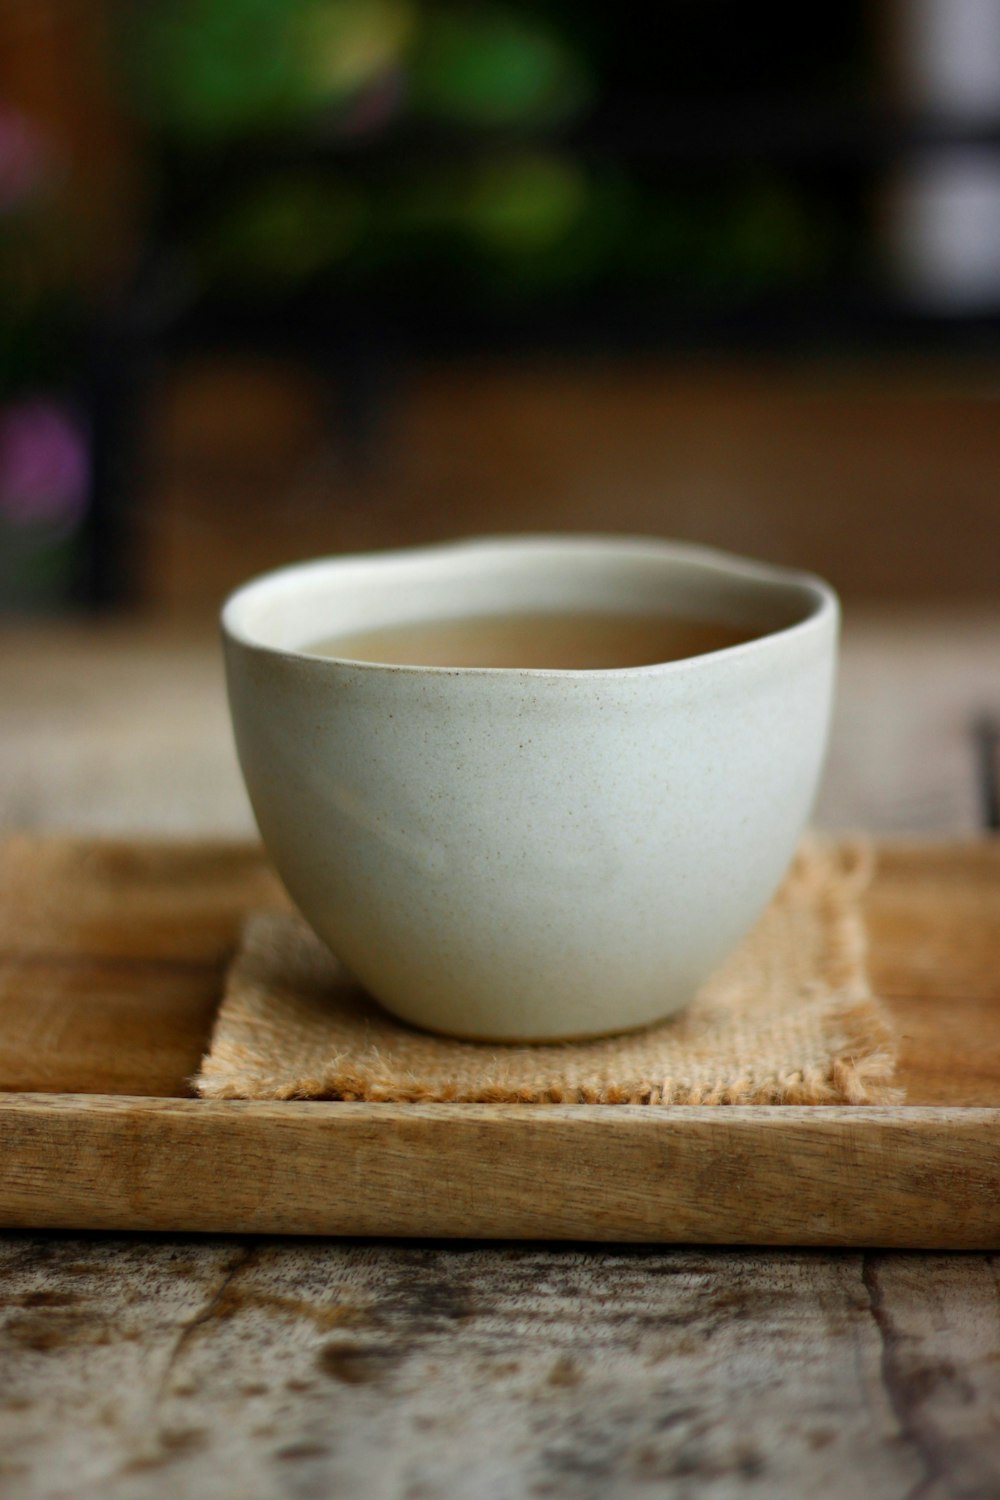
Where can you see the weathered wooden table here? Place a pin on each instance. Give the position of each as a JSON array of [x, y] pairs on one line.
[[152, 1366]]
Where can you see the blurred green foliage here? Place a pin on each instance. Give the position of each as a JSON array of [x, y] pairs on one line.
[[493, 67], [281, 229], [215, 71], [401, 143]]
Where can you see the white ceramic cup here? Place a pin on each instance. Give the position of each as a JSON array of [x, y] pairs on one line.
[[517, 854]]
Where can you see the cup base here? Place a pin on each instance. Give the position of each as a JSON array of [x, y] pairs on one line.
[[487, 1039]]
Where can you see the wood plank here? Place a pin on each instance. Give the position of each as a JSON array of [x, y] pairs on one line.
[[785, 459], [934, 920], [893, 1177], [152, 899], [949, 1050], [155, 1366], [933, 913], [149, 926], [107, 988], [104, 1026], [112, 954]]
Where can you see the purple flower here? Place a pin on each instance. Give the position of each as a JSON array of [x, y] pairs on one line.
[[44, 464], [24, 160]]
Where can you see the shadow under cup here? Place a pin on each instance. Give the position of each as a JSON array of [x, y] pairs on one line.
[[528, 854]]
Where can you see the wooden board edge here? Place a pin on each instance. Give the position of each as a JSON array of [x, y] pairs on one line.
[[914, 1177]]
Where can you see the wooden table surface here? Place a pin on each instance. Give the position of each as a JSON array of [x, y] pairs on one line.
[[152, 1366]]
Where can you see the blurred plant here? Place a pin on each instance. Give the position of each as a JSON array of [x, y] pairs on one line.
[[493, 66], [208, 69], [276, 232], [521, 220], [44, 464], [214, 71], [221, 72], [44, 490], [521, 205], [217, 71], [354, 52], [491, 197], [731, 238], [44, 455]]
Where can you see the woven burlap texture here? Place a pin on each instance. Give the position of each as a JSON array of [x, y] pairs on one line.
[[788, 1019]]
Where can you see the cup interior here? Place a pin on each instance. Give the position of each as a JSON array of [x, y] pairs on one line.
[[293, 608]]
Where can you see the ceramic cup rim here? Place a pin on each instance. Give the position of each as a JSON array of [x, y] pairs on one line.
[[818, 601]]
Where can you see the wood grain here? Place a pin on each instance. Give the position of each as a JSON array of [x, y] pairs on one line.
[[878, 476], [122, 899], [107, 1025], [628, 1173], [111, 959], [933, 914], [155, 1366], [127, 940]]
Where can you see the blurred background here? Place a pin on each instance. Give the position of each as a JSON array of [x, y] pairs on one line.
[[289, 277]]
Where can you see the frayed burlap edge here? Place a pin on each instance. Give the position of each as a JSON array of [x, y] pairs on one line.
[[248, 1057]]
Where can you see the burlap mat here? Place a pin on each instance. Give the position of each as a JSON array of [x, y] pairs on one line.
[[788, 1019]]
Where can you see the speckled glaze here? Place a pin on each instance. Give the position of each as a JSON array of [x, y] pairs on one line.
[[522, 854]]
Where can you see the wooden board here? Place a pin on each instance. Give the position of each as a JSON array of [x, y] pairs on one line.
[[111, 956]]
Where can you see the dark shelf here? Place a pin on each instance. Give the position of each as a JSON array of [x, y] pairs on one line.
[[645, 130], [843, 318]]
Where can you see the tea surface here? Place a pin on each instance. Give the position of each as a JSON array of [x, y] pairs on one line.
[[574, 640]]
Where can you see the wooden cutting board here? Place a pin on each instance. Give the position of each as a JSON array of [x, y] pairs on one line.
[[111, 960]]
